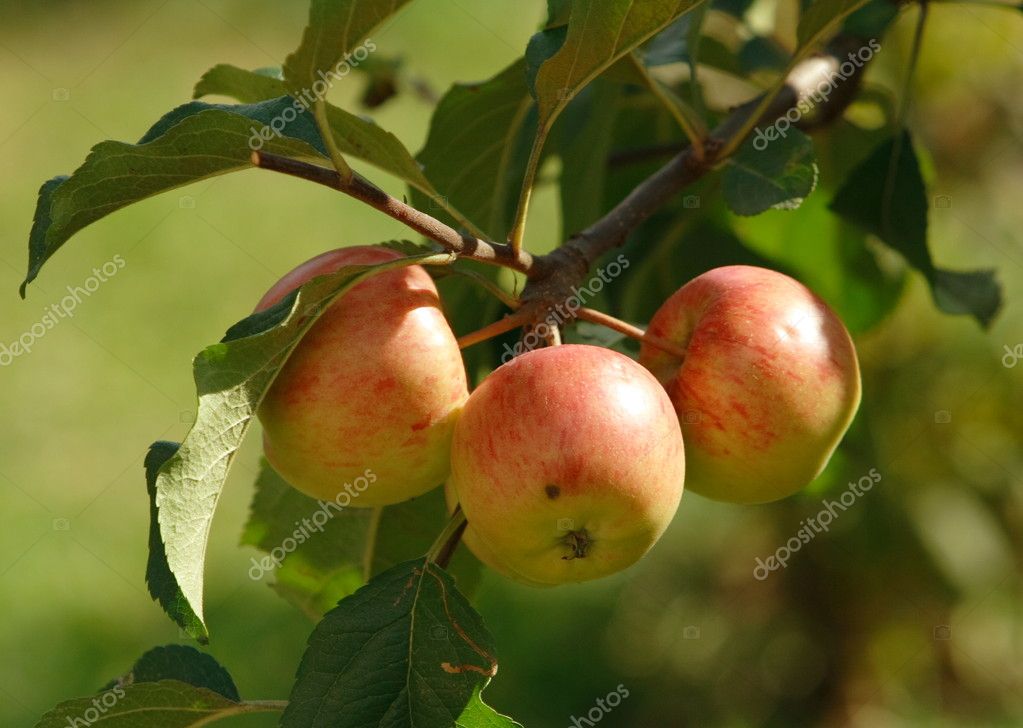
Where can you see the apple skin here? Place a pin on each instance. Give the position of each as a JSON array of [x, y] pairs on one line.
[[768, 386], [566, 443], [375, 385]]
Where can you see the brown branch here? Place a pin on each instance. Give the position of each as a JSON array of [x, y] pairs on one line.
[[568, 265], [622, 327], [365, 191]]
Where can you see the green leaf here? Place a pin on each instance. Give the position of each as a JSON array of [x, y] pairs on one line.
[[164, 704], [599, 34], [163, 587], [169, 687], [248, 87], [191, 143], [885, 195], [320, 553], [478, 714], [406, 650], [335, 28], [231, 379], [822, 16], [354, 135], [184, 664], [476, 148], [770, 174], [586, 134]]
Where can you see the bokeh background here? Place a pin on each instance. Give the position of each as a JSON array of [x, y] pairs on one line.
[[909, 612]]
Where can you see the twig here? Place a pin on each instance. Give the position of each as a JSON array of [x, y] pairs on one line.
[[365, 191], [622, 327], [512, 321], [444, 547]]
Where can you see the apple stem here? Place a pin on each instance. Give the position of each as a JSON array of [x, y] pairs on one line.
[[615, 324], [444, 546], [509, 322]]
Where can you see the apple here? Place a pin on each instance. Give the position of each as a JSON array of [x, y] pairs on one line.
[[568, 464], [371, 393], [768, 385]]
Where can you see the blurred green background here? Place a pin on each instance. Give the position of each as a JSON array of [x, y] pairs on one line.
[[908, 613]]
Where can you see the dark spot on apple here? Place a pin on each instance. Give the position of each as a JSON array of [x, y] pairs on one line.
[[552, 491]]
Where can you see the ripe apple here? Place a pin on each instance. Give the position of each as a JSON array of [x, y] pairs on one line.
[[375, 385], [768, 385], [568, 463]]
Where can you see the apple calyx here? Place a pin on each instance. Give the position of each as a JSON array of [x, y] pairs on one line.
[[579, 542]]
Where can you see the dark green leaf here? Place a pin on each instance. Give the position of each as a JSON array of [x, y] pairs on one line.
[[886, 196], [406, 651], [164, 704], [762, 53], [231, 379], [476, 149], [770, 174], [163, 587], [335, 28], [354, 135], [191, 143], [586, 134], [184, 664], [822, 16]]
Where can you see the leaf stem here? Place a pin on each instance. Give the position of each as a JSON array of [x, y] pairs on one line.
[[694, 128], [327, 134], [622, 327], [518, 230]]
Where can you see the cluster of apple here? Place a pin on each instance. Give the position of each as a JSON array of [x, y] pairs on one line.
[[568, 461]]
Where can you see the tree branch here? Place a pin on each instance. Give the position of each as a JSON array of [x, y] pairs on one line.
[[365, 191], [581, 251]]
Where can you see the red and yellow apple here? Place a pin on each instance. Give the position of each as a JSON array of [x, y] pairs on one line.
[[568, 464], [768, 385], [375, 386]]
